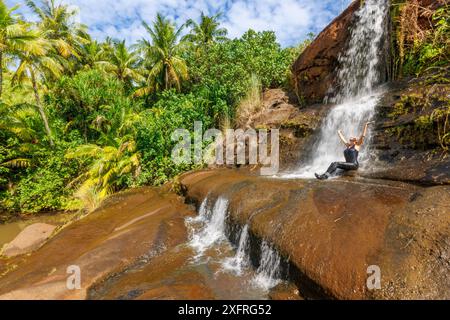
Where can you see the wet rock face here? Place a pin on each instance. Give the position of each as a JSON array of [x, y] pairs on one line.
[[334, 230], [130, 228], [313, 71], [406, 134], [285, 292], [162, 278], [416, 169], [296, 125]]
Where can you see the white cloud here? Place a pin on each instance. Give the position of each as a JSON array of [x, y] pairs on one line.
[[291, 20]]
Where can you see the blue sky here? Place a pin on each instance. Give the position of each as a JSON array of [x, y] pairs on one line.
[[291, 20]]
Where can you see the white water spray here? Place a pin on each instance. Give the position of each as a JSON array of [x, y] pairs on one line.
[[359, 66], [358, 76], [208, 231], [213, 225], [240, 261], [268, 273]]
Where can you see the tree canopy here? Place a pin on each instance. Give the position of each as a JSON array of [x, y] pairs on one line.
[[81, 118]]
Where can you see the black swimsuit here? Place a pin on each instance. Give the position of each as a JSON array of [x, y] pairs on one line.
[[351, 155], [351, 161]]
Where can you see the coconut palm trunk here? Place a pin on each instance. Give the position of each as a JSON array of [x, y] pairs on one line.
[[166, 78], [41, 108], [1, 74]]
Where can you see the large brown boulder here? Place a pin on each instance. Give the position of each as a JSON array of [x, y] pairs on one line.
[[333, 231], [296, 125], [313, 71]]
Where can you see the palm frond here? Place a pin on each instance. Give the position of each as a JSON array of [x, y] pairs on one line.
[[87, 150], [17, 163]]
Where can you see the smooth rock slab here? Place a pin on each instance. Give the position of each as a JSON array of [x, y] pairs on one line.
[[31, 238], [129, 227], [333, 231]]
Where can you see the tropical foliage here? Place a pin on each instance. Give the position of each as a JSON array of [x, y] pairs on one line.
[[162, 54], [207, 32], [419, 48], [81, 119]]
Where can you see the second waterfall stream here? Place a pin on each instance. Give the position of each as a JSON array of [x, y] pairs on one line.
[[209, 239]]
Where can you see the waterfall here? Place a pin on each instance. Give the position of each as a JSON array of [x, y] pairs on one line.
[[208, 231], [359, 66], [240, 260], [356, 91], [268, 273], [212, 229]]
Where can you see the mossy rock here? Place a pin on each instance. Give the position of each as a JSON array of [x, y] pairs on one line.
[[286, 140], [302, 126]]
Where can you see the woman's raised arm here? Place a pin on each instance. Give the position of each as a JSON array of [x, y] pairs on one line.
[[341, 136], [363, 136]]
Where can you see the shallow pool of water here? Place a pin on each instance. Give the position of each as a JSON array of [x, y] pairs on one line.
[[10, 230]]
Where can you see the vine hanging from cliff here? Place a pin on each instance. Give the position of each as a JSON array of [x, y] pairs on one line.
[[420, 37]]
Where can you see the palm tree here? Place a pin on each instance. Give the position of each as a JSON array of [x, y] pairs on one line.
[[91, 54], [163, 56], [15, 119], [113, 159], [35, 68], [122, 63], [207, 31], [58, 23], [19, 121], [110, 163], [15, 36]]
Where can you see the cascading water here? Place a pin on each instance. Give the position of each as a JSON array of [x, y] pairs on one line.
[[359, 72], [240, 260], [268, 273], [356, 92], [208, 231], [213, 225], [348, 117]]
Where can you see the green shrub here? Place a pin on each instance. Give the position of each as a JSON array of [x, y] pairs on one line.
[[417, 50], [172, 111], [230, 64], [43, 186], [87, 102]]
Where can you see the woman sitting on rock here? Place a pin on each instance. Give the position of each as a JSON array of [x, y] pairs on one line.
[[350, 154]]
